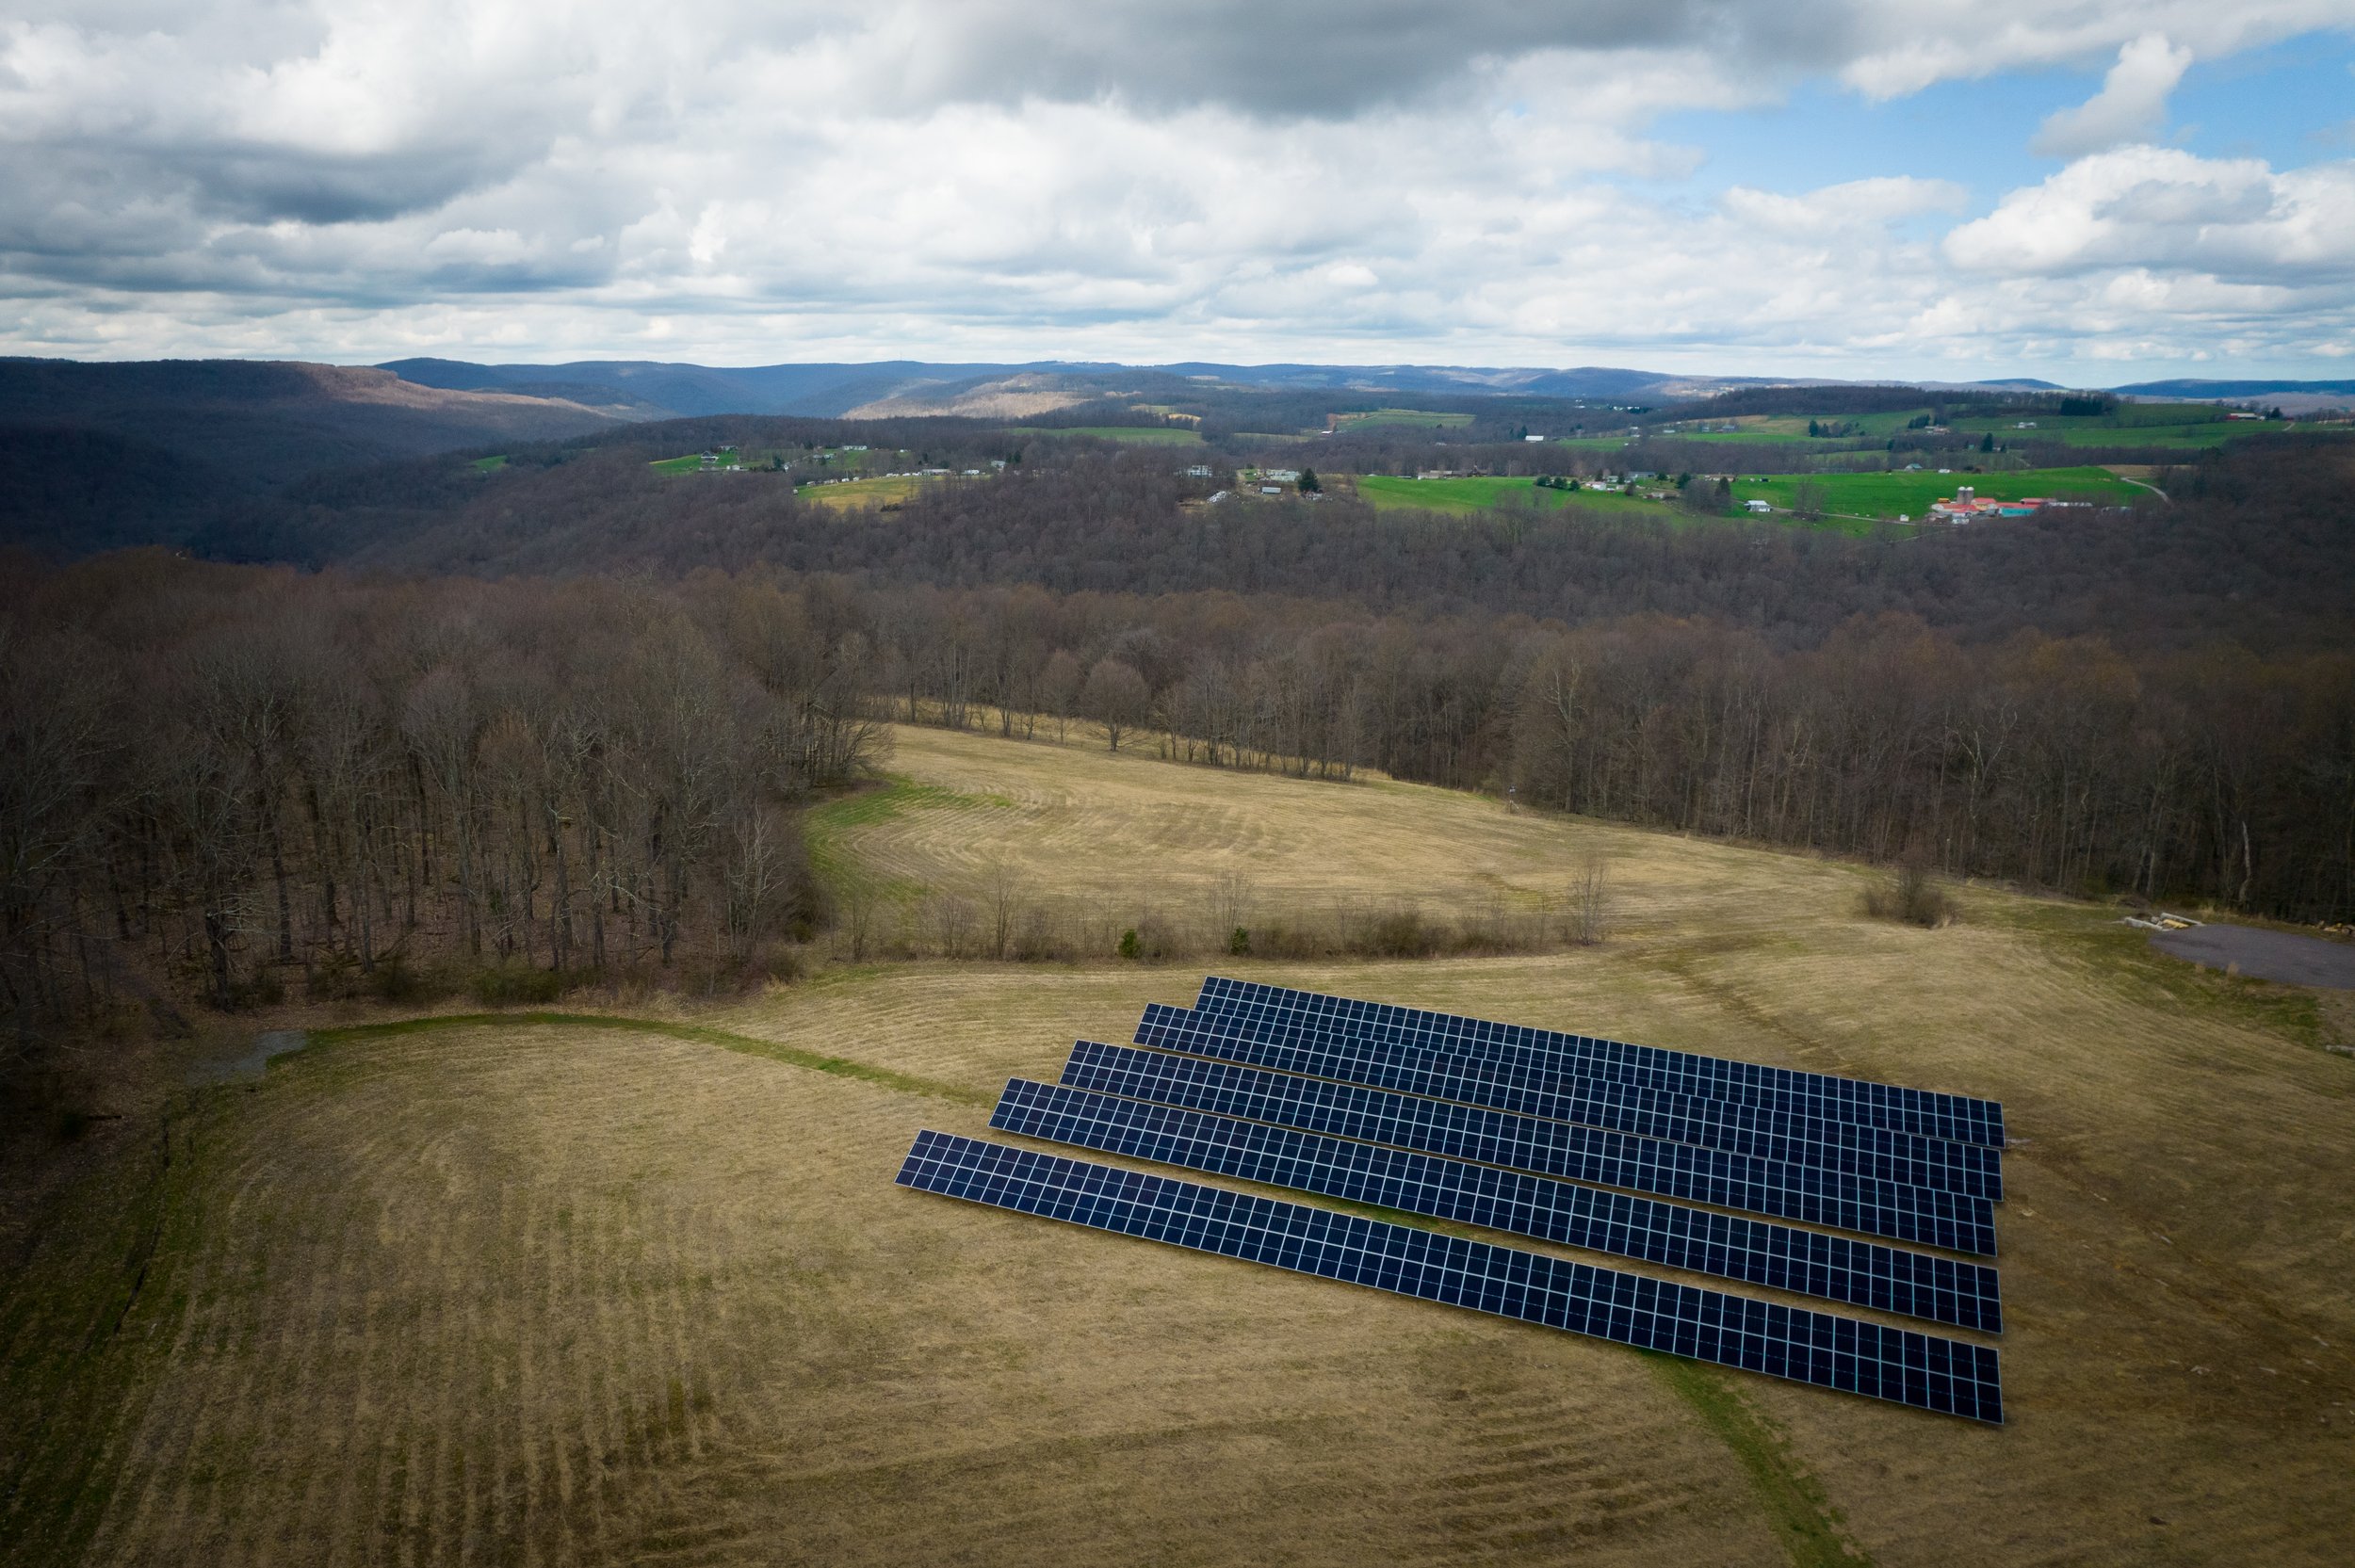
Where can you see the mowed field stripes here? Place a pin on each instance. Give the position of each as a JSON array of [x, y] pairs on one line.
[[1498, 1087], [1755, 1252], [1277, 1012], [1900, 1364], [1807, 1194]]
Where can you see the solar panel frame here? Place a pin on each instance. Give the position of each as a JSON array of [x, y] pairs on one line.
[[1754, 1252], [1280, 1011], [1901, 1366], [1547, 1087], [1921, 1216], [1871, 1153]]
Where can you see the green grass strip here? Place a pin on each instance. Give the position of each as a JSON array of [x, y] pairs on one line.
[[1802, 1516], [906, 1083]]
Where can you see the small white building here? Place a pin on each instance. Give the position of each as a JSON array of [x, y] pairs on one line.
[[1754, 504]]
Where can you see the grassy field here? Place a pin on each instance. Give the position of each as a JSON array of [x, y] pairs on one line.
[[1782, 429], [1470, 496], [547, 1289], [2190, 435], [2191, 426], [847, 493], [1464, 496], [1420, 418], [1139, 435], [490, 465], [1888, 496]]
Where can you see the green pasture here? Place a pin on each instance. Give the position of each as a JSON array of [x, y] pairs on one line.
[[2185, 425], [490, 465], [2192, 425], [1902, 493], [1778, 428], [1388, 492]]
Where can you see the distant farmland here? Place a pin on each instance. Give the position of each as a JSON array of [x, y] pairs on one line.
[[846, 494], [1888, 495], [1480, 493], [1851, 497], [1141, 436], [1418, 417]]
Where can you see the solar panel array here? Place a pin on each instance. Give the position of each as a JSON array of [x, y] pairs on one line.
[[1790, 1192], [1279, 1009], [1943, 1375], [1542, 1134], [1535, 1084], [1781, 1256]]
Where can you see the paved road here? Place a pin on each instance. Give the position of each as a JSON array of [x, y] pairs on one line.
[[2268, 955]]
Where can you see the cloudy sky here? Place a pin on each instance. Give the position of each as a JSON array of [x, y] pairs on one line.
[[2089, 190]]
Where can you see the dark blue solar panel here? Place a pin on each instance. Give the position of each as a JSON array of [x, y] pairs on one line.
[[1277, 1012], [1899, 1364], [1701, 1175], [1534, 1083], [1463, 1103], [1754, 1252]]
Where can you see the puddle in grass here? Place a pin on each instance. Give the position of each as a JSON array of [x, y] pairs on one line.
[[249, 1067]]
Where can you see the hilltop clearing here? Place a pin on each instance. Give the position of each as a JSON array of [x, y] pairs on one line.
[[609, 1288]]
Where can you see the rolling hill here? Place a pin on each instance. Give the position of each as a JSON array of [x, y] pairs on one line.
[[94, 456]]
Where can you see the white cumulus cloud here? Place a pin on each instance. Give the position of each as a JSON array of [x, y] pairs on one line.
[[751, 180], [2131, 106]]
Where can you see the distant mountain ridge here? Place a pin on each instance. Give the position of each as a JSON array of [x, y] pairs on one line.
[[901, 387], [2188, 388], [651, 389], [97, 456]]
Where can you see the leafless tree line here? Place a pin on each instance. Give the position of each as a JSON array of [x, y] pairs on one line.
[[2210, 774], [217, 776]]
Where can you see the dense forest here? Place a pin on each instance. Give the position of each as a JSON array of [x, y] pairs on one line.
[[558, 717], [2253, 547], [221, 778]]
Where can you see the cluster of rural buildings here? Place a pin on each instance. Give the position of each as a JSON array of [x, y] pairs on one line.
[[1966, 506]]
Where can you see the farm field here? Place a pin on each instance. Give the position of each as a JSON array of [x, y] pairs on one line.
[[1419, 418], [1890, 494], [561, 1288], [1480, 493], [1784, 429], [846, 494], [2191, 435], [2188, 425], [1470, 496], [1140, 435]]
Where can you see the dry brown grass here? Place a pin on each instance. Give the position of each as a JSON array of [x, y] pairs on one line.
[[538, 1294], [1109, 840]]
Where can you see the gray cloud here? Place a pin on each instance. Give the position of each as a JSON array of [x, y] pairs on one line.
[[761, 179]]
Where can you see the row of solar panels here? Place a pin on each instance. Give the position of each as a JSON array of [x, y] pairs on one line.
[[1497, 1126], [1934, 1115]]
